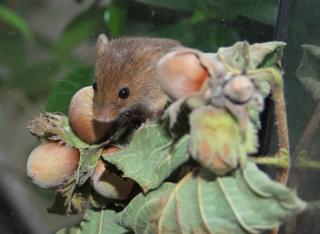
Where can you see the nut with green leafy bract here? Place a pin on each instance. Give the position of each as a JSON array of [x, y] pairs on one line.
[[215, 139], [50, 164], [81, 117], [107, 183], [181, 73]]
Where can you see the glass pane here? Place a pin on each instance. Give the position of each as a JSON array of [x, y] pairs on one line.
[[47, 53]]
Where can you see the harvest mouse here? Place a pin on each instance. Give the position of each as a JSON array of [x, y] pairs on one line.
[[126, 83]]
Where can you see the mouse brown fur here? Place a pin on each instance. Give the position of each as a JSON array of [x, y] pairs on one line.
[[129, 63]]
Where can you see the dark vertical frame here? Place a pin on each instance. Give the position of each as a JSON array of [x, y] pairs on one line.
[[281, 30], [267, 117]]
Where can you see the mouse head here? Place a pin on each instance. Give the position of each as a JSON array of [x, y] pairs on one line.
[[125, 76]]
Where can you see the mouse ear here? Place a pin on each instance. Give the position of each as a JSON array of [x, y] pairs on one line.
[[102, 43]]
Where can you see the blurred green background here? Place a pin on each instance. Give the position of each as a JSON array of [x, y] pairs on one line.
[[47, 52]]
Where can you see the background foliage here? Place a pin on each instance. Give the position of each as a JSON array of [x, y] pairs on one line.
[[205, 25]]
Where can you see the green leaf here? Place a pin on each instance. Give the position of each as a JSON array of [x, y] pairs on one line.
[[115, 17], [136, 214], [151, 156], [17, 22], [245, 202], [79, 29], [235, 57], [88, 161], [266, 54], [309, 70], [60, 97], [242, 56], [97, 222]]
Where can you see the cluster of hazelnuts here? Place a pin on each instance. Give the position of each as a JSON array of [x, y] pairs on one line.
[[182, 73], [51, 164]]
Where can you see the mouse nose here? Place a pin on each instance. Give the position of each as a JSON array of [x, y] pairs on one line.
[[105, 113]]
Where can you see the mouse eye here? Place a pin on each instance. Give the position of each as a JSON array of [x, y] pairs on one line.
[[123, 93], [94, 86]]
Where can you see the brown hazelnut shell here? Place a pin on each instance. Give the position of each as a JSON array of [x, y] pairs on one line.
[[50, 164], [181, 73], [81, 117], [107, 183]]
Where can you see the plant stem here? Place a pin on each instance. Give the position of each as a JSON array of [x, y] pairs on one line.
[[281, 161], [274, 78], [281, 117], [282, 127]]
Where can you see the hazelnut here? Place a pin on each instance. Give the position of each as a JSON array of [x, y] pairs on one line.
[[50, 164], [239, 89], [107, 183], [81, 117], [215, 139], [181, 73]]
